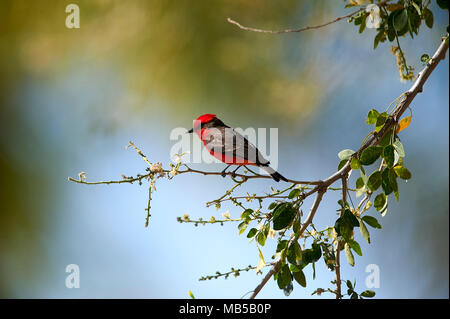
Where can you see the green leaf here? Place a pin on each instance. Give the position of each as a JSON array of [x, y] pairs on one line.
[[355, 246], [388, 184], [359, 19], [360, 183], [282, 245], [349, 284], [368, 294], [364, 231], [397, 195], [345, 154], [402, 172], [443, 4], [380, 37], [294, 193], [342, 228], [398, 146], [389, 156], [392, 177], [372, 117], [380, 201], [391, 34], [370, 155], [247, 213], [299, 277], [362, 25], [371, 221], [242, 227], [428, 16], [294, 254], [386, 139], [400, 20], [295, 268], [317, 253], [359, 187], [261, 238], [344, 225], [380, 121], [267, 229], [355, 164], [353, 221], [272, 205], [297, 226], [341, 164], [284, 277], [191, 294], [307, 257], [413, 21], [252, 233], [374, 181], [283, 215], [349, 255]]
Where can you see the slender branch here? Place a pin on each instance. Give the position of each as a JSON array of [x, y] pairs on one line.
[[189, 170], [147, 218], [240, 26], [235, 272], [125, 180], [295, 238]]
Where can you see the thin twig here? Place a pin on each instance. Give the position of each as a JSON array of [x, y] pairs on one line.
[[240, 26], [190, 170], [147, 218]]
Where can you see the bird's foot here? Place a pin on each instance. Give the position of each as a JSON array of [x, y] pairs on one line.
[[223, 172]]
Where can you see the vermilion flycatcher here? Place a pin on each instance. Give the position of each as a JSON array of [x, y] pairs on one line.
[[230, 147]]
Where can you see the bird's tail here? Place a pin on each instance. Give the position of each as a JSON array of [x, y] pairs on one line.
[[275, 175]]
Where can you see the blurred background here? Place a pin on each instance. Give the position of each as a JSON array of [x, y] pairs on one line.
[[71, 99]]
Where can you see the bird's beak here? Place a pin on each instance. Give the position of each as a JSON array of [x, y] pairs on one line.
[[191, 130]]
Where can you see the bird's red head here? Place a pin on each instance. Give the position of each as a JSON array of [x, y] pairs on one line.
[[205, 118], [202, 119]]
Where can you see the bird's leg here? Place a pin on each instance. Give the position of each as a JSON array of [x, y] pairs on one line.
[[223, 172], [234, 172]]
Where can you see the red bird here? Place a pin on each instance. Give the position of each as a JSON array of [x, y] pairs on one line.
[[230, 147]]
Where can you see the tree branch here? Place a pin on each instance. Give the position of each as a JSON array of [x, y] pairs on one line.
[[189, 170], [240, 26], [308, 221], [373, 140]]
